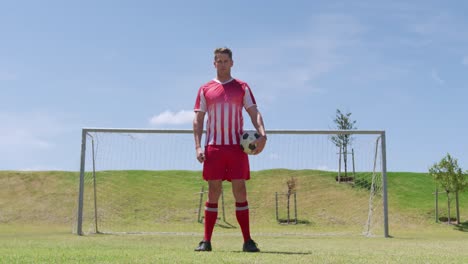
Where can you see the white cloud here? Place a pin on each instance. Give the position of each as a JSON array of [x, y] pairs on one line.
[[465, 60], [294, 61], [442, 28], [27, 131], [325, 168], [171, 118], [18, 137], [435, 76], [32, 140]]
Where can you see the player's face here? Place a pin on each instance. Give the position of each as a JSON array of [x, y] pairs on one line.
[[223, 63]]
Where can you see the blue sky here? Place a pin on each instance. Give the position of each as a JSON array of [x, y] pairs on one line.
[[396, 66]]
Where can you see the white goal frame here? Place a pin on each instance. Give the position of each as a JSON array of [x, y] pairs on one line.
[[379, 133]]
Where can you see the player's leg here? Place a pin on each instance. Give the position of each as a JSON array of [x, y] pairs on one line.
[[238, 173], [213, 172], [214, 190], [239, 190], [211, 207], [211, 213]]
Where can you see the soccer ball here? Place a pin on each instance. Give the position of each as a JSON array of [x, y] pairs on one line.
[[246, 141]]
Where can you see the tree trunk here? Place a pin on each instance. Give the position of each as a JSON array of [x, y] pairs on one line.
[[457, 207], [448, 207], [339, 166], [289, 195], [345, 159], [437, 205]]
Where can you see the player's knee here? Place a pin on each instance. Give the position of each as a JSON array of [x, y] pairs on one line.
[[213, 195], [240, 195]]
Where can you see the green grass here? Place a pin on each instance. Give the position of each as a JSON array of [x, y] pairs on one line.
[[413, 195], [36, 220], [42, 244]]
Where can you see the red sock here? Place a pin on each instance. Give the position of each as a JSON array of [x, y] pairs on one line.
[[211, 215], [242, 215]]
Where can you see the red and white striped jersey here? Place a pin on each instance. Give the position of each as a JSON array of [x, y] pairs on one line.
[[223, 102]]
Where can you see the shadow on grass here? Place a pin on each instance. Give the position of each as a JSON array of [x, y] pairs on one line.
[[225, 225], [220, 223], [294, 222], [463, 227], [276, 252]]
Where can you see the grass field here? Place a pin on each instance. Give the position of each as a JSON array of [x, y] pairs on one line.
[[41, 244], [36, 220]]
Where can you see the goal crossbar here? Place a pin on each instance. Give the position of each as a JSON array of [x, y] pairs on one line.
[[270, 131]]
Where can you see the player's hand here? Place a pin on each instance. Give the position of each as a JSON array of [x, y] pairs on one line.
[[260, 145], [200, 155]]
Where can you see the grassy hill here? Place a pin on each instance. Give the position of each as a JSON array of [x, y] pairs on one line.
[[37, 197], [161, 200]]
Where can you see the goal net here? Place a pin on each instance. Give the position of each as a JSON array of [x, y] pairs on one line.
[[144, 181]]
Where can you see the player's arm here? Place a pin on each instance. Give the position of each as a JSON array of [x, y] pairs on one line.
[[257, 121], [198, 132]]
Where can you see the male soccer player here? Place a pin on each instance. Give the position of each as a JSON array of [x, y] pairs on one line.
[[223, 99]]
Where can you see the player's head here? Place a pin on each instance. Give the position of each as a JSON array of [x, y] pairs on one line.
[[223, 61], [223, 50]]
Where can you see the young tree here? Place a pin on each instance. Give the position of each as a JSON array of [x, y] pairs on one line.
[[343, 122], [292, 184], [449, 176]]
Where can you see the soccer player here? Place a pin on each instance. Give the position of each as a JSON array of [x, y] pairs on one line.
[[223, 100]]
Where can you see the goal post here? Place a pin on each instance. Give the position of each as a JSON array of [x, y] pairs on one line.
[[142, 157]]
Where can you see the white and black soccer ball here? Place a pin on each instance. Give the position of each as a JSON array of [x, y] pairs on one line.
[[246, 141]]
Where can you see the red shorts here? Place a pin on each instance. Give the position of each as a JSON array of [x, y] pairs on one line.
[[225, 162]]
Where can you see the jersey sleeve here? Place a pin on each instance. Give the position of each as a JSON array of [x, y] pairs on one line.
[[200, 102], [249, 99]]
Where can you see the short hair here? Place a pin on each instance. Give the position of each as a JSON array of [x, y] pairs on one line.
[[223, 50]]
